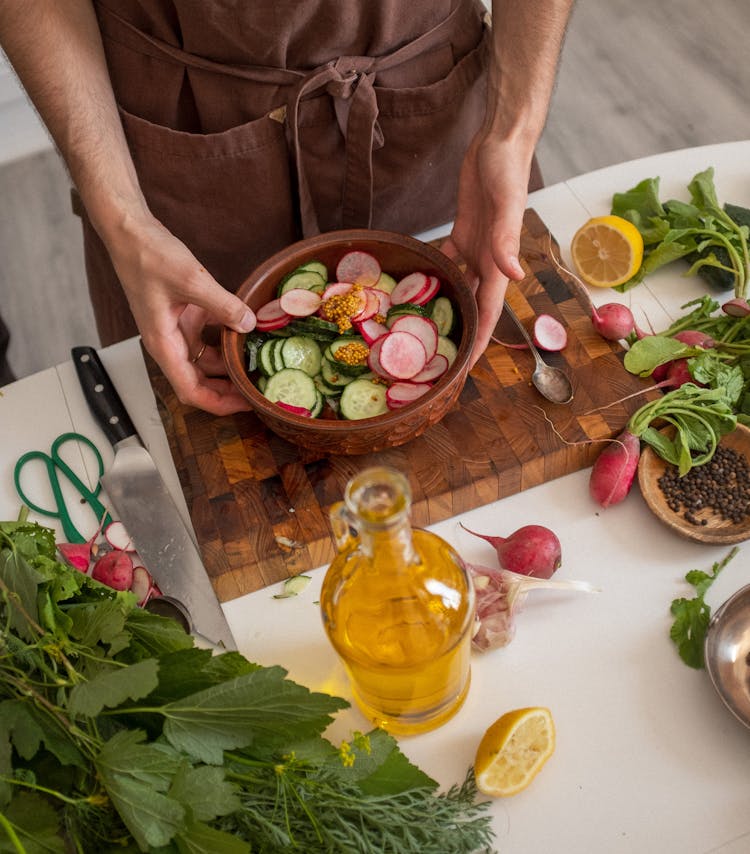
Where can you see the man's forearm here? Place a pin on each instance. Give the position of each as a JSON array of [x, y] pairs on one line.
[[56, 50], [527, 40]]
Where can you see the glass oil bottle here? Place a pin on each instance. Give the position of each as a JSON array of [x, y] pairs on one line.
[[398, 606]]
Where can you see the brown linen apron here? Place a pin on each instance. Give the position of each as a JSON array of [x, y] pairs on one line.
[[252, 124]]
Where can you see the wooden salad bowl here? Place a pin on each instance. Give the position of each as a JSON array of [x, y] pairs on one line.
[[716, 530], [398, 255]]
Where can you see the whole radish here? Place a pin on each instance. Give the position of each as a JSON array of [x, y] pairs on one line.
[[115, 569], [614, 470], [613, 321], [532, 550]]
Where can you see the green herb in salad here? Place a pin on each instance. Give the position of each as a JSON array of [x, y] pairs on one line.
[[117, 734], [692, 616], [701, 231]]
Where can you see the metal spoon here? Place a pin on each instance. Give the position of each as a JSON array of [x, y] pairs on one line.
[[552, 383]]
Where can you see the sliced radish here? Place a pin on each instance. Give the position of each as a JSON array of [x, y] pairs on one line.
[[359, 268], [433, 286], [736, 307], [299, 302], [402, 394], [402, 355], [373, 358], [549, 333], [271, 316], [336, 289], [371, 329], [117, 536], [142, 584], [384, 301], [370, 307], [422, 327], [435, 368], [295, 410], [409, 288]]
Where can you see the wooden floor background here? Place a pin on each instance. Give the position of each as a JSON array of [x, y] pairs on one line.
[[637, 77]]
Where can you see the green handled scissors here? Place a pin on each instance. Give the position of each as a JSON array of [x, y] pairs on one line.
[[55, 466]]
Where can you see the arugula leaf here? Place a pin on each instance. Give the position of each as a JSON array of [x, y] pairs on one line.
[[692, 616], [648, 353]]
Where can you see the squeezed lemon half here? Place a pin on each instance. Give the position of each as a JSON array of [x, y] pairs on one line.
[[607, 251], [513, 751]]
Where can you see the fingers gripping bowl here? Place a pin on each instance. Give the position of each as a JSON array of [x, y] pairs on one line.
[[399, 256]]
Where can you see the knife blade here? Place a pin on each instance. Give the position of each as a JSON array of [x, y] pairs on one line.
[[146, 508]]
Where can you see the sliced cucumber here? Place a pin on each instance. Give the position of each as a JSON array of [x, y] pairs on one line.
[[325, 389], [442, 315], [315, 266], [265, 357], [385, 283], [302, 353], [395, 311], [314, 327], [276, 354], [363, 398], [262, 380], [341, 366], [447, 348], [332, 376], [305, 279], [293, 387], [319, 401]]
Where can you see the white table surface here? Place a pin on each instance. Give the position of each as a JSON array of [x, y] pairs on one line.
[[647, 757]]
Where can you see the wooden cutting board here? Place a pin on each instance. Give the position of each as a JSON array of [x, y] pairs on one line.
[[260, 505]]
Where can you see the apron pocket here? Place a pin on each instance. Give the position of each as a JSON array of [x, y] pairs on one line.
[[227, 195]]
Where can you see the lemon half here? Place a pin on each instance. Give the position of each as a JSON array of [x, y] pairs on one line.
[[607, 251], [513, 751]]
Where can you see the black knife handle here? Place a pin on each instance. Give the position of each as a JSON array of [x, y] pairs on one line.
[[101, 395]]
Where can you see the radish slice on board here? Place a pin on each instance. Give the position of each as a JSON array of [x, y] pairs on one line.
[[300, 302], [435, 368], [402, 394], [359, 268], [410, 288], [736, 307], [549, 333], [402, 355], [117, 536], [142, 584], [421, 327], [371, 329]]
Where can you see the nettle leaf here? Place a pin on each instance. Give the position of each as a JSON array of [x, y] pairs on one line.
[[55, 739], [202, 839], [6, 766], [111, 687], [23, 581], [154, 636], [36, 822], [136, 776], [191, 670], [205, 791], [98, 622], [262, 704]]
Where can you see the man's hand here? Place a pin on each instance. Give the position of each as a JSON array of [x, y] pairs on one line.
[[174, 299], [486, 232]]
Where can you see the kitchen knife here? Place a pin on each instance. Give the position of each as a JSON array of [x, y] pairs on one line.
[[149, 513]]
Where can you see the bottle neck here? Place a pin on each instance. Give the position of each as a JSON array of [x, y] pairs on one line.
[[391, 542]]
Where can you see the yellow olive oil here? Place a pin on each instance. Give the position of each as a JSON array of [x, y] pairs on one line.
[[398, 607]]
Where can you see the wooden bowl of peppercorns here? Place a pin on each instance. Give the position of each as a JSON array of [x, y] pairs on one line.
[[711, 503], [328, 431]]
